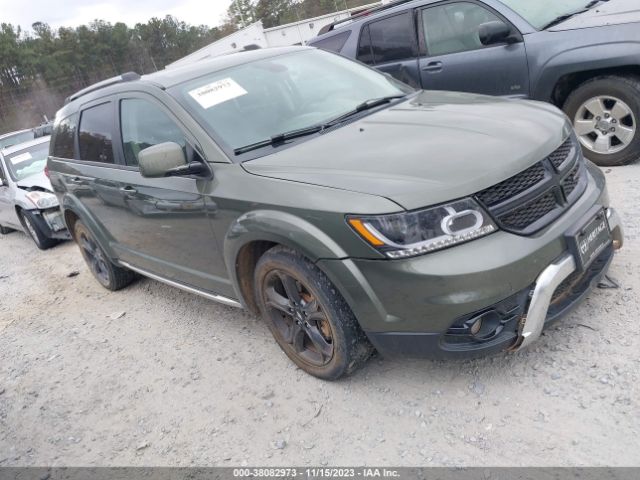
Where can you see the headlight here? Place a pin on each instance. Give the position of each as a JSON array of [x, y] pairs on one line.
[[415, 233], [43, 200]]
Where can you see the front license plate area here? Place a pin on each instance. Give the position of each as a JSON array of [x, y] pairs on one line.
[[589, 238]]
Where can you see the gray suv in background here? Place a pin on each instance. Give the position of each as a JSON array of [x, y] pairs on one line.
[[580, 55]]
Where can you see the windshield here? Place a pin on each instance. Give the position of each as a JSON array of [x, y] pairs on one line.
[[27, 162], [540, 13], [256, 101], [16, 139]]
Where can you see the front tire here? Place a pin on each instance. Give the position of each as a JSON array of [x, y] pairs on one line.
[[605, 112], [32, 224], [307, 315], [107, 273]]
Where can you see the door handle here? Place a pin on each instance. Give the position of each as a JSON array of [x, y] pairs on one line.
[[433, 67], [76, 180], [129, 190]]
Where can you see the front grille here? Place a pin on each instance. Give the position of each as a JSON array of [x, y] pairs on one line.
[[571, 181], [558, 157], [532, 199], [530, 213], [513, 186]]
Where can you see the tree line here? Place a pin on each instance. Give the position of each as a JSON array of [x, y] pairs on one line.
[[40, 67]]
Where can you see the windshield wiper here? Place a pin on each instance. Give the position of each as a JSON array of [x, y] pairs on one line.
[[367, 105], [303, 132], [567, 16], [279, 138], [593, 3]]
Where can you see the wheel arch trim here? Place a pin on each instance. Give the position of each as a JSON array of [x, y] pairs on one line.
[[581, 60], [279, 228], [71, 204]]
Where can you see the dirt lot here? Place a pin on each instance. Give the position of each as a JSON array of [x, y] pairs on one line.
[[155, 376]]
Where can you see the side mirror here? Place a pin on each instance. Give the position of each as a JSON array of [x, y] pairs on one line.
[[491, 33], [159, 160], [168, 160]]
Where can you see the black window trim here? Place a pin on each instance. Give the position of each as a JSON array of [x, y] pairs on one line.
[[423, 51], [411, 11]]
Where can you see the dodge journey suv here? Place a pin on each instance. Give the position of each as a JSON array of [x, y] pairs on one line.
[[349, 210]]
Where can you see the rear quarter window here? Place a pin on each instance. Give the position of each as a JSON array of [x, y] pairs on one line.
[[333, 43], [64, 138]]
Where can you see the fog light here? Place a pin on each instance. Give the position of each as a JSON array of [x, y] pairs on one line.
[[476, 327]]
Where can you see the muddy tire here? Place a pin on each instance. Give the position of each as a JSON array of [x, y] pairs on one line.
[[108, 274], [605, 112], [307, 315], [34, 228]]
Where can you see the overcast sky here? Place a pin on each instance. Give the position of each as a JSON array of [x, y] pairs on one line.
[[71, 13]]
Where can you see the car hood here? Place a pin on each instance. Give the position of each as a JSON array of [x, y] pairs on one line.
[[434, 147], [614, 12], [36, 180]]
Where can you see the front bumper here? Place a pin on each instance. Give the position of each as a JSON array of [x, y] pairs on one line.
[[547, 284], [410, 307], [52, 223]]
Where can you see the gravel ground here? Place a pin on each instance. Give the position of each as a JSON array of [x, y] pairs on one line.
[[155, 376]]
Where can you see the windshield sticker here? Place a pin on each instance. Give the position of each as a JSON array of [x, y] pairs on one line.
[[23, 157], [217, 92]]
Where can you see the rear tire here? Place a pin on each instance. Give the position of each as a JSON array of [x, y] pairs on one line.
[[33, 226], [616, 102], [307, 315], [107, 273], [5, 230]]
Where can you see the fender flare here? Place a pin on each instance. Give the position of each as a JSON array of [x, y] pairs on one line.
[[580, 60], [277, 227]]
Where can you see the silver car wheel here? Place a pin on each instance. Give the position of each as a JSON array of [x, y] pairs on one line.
[[605, 125]]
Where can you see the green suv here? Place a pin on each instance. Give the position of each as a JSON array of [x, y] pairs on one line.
[[349, 210]]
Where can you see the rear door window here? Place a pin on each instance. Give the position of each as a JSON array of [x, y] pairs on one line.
[[392, 39], [95, 137], [143, 125], [365, 54]]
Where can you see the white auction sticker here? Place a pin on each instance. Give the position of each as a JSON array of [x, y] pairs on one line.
[[217, 92], [23, 157]]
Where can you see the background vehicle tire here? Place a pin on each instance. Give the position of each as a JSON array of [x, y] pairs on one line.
[[605, 112], [307, 315], [32, 224], [109, 275], [5, 230]]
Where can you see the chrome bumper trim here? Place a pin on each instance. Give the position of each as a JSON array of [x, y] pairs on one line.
[[615, 225], [549, 280]]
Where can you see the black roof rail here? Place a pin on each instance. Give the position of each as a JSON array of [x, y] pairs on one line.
[[331, 26], [125, 77]]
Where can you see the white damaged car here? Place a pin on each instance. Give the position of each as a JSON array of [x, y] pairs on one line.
[[27, 201]]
